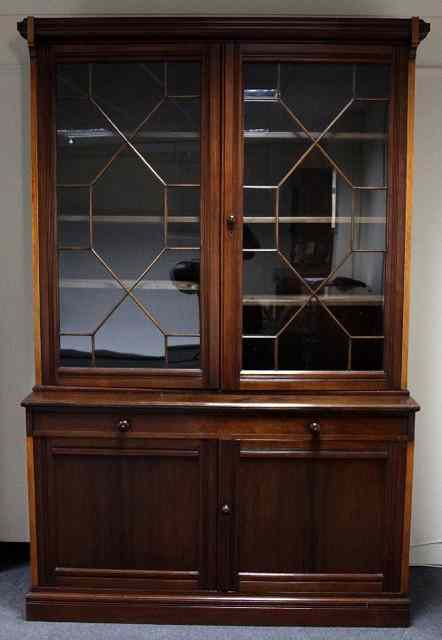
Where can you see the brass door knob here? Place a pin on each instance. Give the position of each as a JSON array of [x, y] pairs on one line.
[[315, 428], [231, 221], [226, 509], [123, 425]]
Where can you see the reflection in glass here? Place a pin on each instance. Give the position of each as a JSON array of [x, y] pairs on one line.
[[313, 342], [75, 351], [315, 194], [169, 291], [129, 339], [367, 355], [128, 173], [73, 204], [183, 353], [373, 81], [88, 292], [258, 354]]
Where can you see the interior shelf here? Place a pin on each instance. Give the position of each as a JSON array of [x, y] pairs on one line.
[[150, 285], [123, 219], [301, 135], [315, 219], [103, 136], [346, 299]]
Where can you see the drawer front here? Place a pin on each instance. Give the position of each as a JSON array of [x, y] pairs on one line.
[[311, 426]]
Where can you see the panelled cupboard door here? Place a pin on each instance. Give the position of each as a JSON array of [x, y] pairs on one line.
[[313, 185], [138, 514], [306, 519], [133, 215]]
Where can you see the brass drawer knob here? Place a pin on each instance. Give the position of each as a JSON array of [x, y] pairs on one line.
[[315, 428], [123, 425], [226, 510]]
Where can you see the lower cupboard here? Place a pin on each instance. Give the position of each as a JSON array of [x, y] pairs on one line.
[[256, 525]]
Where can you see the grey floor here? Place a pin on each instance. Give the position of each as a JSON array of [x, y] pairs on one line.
[[426, 625]]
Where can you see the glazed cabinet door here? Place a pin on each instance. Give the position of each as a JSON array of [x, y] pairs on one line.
[[313, 245], [305, 518], [137, 514], [130, 188]]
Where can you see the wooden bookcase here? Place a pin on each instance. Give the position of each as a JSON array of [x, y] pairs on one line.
[[220, 430]]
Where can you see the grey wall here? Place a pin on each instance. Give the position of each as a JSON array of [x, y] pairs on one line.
[[16, 349]]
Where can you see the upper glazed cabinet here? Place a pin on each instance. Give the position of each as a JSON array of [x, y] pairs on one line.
[[225, 210]]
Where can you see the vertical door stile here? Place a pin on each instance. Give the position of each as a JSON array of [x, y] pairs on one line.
[[227, 516], [211, 179], [231, 208]]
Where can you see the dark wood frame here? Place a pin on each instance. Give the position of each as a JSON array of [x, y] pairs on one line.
[[390, 378], [208, 376], [383, 41], [359, 414]]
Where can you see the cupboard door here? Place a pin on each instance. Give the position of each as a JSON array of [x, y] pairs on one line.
[[137, 216], [313, 519], [138, 514], [313, 196]]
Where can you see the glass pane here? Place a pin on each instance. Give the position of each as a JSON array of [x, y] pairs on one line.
[[129, 339], [72, 81], [127, 93], [258, 354], [183, 353], [259, 203], [73, 204], [75, 351], [85, 142], [128, 228], [357, 143], [370, 220], [372, 81], [169, 141], [321, 209], [313, 341], [183, 79], [128, 170], [315, 208], [268, 279], [316, 93], [266, 319], [183, 202], [274, 142], [88, 292], [367, 355], [170, 292]]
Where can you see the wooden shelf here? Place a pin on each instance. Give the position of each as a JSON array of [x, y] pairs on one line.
[[106, 136], [301, 135], [315, 219], [346, 299], [137, 219], [145, 285]]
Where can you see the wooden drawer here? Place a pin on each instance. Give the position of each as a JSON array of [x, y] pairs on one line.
[[311, 426]]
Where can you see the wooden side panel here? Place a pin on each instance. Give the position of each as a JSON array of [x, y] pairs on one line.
[[408, 217], [32, 508], [35, 211]]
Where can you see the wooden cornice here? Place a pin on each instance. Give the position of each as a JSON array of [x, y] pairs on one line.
[[302, 29]]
